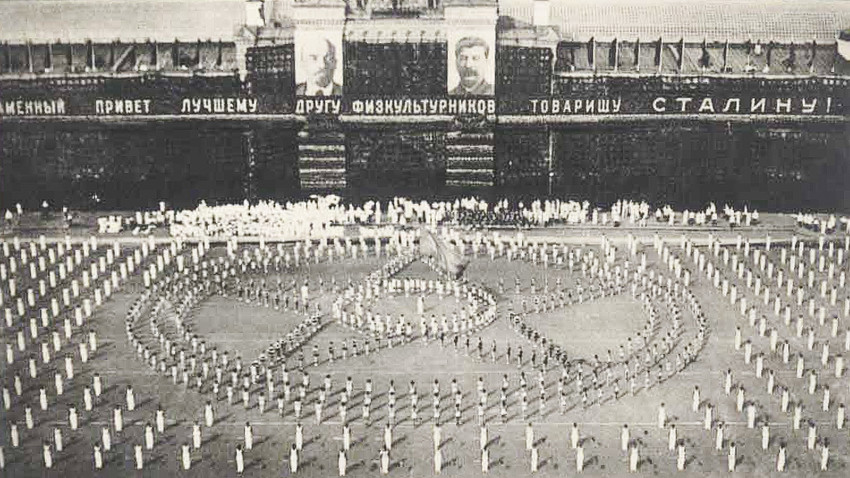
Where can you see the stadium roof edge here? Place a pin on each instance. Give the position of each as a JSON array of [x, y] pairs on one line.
[[714, 20], [42, 21], [73, 21]]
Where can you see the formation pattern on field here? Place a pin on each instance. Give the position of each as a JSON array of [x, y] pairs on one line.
[[669, 354]]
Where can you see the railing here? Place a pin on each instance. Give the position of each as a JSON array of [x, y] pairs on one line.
[[397, 8], [116, 57]]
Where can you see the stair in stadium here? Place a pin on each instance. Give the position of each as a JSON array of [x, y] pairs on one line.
[[321, 157], [469, 161]]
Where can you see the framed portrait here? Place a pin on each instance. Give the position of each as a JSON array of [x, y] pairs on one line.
[[471, 68], [318, 63]]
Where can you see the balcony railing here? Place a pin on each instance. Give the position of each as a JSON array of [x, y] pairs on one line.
[[394, 8]]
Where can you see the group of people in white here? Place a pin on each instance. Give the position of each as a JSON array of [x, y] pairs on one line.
[[823, 225], [790, 298], [744, 275], [327, 216], [49, 294], [259, 383]]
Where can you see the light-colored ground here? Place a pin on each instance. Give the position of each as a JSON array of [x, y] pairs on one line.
[[584, 329]]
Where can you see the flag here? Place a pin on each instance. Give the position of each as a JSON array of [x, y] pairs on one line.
[[444, 256]]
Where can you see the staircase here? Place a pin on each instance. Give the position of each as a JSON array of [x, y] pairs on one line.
[[469, 161], [321, 156]]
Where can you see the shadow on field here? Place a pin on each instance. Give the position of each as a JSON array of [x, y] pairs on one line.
[[402, 439], [222, 418]]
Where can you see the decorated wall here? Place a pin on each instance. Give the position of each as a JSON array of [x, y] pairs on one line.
[[336, 109]]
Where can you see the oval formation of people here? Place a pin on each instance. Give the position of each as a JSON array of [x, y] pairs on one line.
[[415, 238]]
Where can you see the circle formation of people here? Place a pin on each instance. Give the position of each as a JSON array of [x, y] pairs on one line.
[[787, 297]]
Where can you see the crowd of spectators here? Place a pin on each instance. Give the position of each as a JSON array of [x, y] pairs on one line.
[[328, 216]]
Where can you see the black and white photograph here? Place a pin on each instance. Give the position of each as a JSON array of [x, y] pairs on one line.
[[471, 73], [424, 238], [318, 71]]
